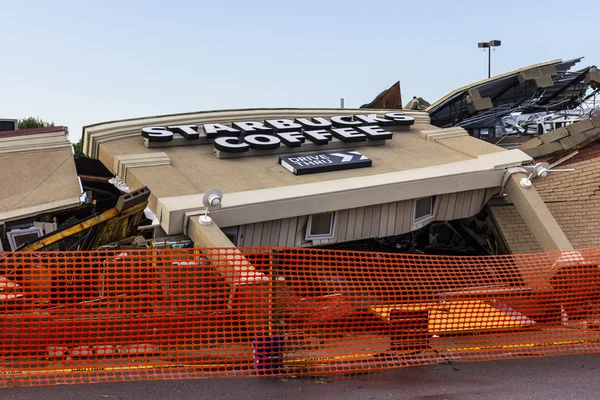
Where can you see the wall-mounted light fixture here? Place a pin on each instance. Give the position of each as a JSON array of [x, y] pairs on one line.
[[211, 199], [542, 170]]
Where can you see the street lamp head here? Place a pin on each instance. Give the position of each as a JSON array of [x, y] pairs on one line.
[[489, 45]]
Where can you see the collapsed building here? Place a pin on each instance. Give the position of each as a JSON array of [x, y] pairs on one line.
[[570, 189], [262, 199], [52, 200], [508, 108], [40, 187], [535, 96]]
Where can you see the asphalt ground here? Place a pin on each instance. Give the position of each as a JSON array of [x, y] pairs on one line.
[[572, 377]]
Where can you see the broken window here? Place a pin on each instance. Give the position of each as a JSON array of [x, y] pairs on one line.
[[18, 237]]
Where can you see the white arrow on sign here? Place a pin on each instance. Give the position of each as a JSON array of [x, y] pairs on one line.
[[358, 154], [344, 157], [348, 157]]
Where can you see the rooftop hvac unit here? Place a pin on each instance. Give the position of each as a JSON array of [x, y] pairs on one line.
[[8, 124]]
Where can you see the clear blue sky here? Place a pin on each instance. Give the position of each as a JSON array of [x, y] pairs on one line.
[[80, 62]]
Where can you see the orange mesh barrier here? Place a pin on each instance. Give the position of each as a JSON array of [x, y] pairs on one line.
[[81, 317]]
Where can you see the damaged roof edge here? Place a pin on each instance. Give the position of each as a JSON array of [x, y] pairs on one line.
[[485, 171], [33, 131], [31, 211], [462, 89]]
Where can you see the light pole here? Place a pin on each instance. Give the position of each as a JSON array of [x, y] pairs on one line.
[[489, 45]]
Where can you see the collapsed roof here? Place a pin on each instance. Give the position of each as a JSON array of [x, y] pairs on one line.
[[38, 173], [417, 103], [573, 198], [550, 86], [390, 98], [564, 139]]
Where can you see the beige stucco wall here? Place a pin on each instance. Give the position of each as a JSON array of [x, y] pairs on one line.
[[256, 189], [196, 169], [32, 182]]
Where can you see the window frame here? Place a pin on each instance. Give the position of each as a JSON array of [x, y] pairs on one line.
[[10, 235], [332, 227], [425, 218]]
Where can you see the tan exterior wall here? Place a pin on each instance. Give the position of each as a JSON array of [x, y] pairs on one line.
[[572, 198], [579, 220], [364, 222], [514, 231], [37, 181]]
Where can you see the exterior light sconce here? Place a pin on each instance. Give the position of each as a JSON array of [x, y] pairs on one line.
[[211, 199], [541, 170]]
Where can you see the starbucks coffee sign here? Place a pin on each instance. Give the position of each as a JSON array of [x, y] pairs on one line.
[[280, 135]]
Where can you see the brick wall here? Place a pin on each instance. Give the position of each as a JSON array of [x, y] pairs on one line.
[[514, 231], [580, 221], [573, 198]]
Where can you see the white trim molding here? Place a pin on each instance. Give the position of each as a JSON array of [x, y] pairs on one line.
[[123, 163], [291, 201], [44, 141]]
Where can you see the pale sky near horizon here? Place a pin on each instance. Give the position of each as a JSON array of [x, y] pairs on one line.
[[81, 62]]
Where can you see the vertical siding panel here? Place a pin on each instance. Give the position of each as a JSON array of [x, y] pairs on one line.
[[442, 207], [484, 198], [399, 221], [408, 216], [301, 223], [474, 203], [241, 236], [384, 220], [375, 220], [487, 195], [351, 224], [391, 226], [291, 233], [450, 209], [249, 237], [283, 232], [266, 233], [258, 228], [275, 233], [467, 204], [477, 202], [367, 222], [460, 204], [342, 226], [360, 219]]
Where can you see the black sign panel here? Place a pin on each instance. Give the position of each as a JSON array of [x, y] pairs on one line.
[[302, 164], [8, 124]]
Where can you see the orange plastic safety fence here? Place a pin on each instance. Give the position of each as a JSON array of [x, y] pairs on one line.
[[81, 317]]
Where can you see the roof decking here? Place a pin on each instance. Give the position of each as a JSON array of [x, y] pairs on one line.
[[508, 93]]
